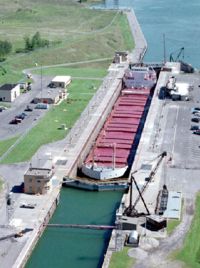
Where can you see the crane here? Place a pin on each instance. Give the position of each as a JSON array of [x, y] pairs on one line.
[[131, 210], [179, 52]]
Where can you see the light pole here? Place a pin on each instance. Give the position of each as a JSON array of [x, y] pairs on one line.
[[41, 76]]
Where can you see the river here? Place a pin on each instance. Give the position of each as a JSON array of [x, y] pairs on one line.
[[179, 21]]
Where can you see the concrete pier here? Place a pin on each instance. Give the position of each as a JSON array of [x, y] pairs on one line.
[[140, 49]]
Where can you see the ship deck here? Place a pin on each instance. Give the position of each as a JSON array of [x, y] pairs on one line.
[[116, 139]]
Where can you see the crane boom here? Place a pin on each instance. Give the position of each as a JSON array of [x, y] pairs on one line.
[[177, 58], [131, 209]]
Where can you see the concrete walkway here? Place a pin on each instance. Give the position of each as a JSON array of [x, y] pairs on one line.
[[140, 42]]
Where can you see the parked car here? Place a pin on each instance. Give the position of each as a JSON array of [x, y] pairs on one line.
[[195, 110], [42, 106], [29, 76], [15, 121], [197, 132], [194, 128], [195, 119], [3, 108], [29, 87], [23, 85], [52, 85], [32, 206], [21, 116], [28, 109]]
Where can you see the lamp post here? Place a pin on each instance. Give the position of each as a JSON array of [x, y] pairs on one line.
[[41, 76]]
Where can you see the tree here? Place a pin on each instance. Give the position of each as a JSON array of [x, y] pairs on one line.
[[5, 48], [28, 43], [35, 42]]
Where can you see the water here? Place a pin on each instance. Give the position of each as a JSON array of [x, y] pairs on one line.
[[73, 247], [179, 21]]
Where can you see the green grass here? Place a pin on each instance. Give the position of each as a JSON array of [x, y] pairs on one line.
[[190, 253], [5, 145], [77, 33], [47, 130], [121, 259], [74, 72], [171, 225]]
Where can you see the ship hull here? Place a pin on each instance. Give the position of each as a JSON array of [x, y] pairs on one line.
[[117, 141], [103, 173]]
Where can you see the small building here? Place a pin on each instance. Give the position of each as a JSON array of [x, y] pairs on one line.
[[174, 206], [50, 96], [120, 57], [38, 179], [180, 92], [9, 92], [61, 81], [155, 222]]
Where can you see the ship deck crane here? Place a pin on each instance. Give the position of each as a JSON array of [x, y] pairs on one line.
[[131, 209], [178, 53]]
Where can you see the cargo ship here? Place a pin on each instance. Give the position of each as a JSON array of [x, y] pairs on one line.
[[112, 153]]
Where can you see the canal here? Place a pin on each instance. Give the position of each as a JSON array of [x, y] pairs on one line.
[[73, 247], [179, 21]]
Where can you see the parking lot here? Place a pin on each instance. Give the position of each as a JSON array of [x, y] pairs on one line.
[[19, 105], [177, 136]]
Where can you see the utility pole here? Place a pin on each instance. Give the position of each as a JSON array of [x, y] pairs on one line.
[[41, 78]]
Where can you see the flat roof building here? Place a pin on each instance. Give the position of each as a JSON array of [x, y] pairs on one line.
[[50, 96], [37, 180], [61, 81], [9, 92]]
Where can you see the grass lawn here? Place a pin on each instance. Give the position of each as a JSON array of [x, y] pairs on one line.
[[171, 225], [47, 130], [5, 145], [76, 34], [121, 259], [75, 72], [190, 253]]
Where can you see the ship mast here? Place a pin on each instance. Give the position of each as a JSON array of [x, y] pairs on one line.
[[93, 156], [114, 154]]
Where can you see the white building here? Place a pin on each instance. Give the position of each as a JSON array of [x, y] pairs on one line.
[[61, 81], [180, 92], [9, 92]]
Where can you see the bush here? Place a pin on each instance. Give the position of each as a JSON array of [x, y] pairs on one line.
[[5, 48], [35, 42]]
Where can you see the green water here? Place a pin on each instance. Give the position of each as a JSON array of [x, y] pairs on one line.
[[73, 247]]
